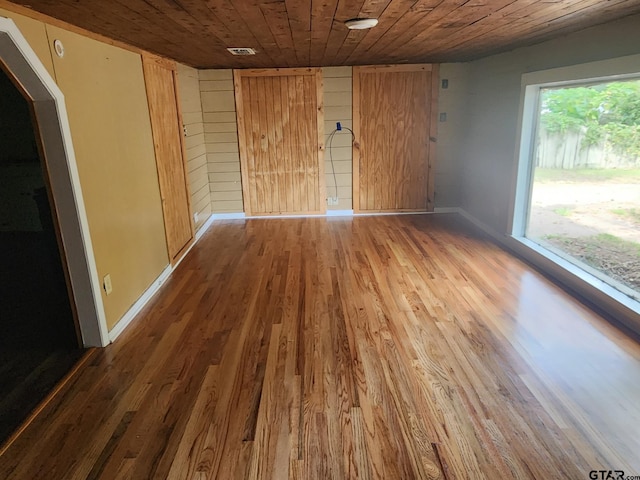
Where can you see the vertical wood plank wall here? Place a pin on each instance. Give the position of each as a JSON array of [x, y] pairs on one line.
[[221, 140], [395, 109], [166, 125], [280, 133], [219, 117], [196, 150]]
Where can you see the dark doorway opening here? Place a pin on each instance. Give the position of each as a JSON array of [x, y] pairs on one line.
[[38, 337]]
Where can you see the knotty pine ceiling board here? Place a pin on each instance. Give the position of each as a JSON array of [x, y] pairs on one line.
[[295, 33]]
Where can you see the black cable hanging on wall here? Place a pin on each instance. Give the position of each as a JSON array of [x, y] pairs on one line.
[[338, 128]]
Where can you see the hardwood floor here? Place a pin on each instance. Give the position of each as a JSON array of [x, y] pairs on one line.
[[396, 347], [26, 378]]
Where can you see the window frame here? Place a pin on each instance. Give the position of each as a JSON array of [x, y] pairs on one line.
[[584, 282]]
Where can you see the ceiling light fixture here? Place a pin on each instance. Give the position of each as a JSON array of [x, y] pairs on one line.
[[361, 23]]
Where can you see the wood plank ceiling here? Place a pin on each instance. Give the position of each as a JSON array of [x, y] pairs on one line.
[[289, 33]]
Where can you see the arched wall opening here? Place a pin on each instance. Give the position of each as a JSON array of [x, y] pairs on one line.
[[21, 63]]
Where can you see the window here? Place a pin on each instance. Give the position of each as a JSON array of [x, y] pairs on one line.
[[578, 188]]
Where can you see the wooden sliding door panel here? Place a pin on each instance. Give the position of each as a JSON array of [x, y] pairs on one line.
[[166, 124], [395, 129], [280, 132]]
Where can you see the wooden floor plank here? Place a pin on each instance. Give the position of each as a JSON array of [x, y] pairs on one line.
[[394, 347]]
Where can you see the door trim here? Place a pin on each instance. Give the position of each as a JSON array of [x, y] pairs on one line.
[[19, 59]]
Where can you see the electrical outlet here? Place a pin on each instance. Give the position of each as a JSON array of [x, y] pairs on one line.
[[106, 283], [196, 217], [332, 201]]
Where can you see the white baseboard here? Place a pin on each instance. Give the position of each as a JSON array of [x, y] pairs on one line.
[[329, 213], [228, 216], [384, 214], [339, 213], [281, 217], [447, 210], [137, 307]]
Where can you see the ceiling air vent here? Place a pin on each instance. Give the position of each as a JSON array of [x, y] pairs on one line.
[[242, 51]]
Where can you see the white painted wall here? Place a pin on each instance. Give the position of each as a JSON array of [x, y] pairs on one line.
[[450, 145], [490, 130]]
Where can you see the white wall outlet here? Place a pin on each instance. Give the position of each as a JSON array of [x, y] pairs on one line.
[[332, 201], [196, 217], [106, 283]]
